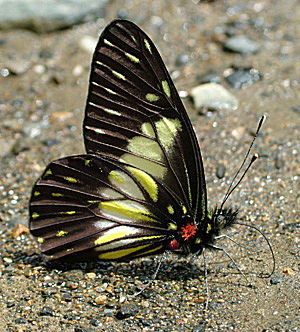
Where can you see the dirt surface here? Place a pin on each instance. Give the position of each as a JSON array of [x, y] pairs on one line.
[[42, 97]]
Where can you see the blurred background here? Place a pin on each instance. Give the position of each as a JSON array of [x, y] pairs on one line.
[[231, 61]]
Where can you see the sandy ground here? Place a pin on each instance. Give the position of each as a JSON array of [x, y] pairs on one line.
[[41, 110]]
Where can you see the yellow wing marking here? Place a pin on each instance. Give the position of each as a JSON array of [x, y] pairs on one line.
[[113, 175], [188, 182], [167, 129], [107, 42], [110, 91], [170, 209], [166, 88], [70, 179], [49, 172], [146, 181], [121, 253], [147, 44], [172, 226], [40, 240], [61, 233], [118, 75], [113, 112], [132, 58], [35, 215], [149, 251], [137, 214], [57, 195], [36, 193], [152, 97], [147, 129], [110, 237]]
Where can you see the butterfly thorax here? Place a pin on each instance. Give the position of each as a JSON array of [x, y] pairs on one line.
[[192, 237]]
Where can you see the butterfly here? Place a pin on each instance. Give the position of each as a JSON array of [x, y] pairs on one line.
[[140, 188]]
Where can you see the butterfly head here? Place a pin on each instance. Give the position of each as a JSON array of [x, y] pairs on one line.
[[192, 237]]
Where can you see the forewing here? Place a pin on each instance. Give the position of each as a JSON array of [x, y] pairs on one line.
[[94, 207], [134, 115]]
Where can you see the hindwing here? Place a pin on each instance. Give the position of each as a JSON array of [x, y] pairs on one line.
[[134, 115], [91, 206]]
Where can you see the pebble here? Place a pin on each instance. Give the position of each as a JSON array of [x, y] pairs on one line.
[[275, 280], [220, 171], [46, 311], [296, 109], [88, 43], [241, 44], [18, 66], [18, 230], [243, 77], [50, 15], [210, 77], [238, 132], [213, 96], [289, 271], [126, 310], [91, 275], [182, 59], [279, 162], [101, 299]]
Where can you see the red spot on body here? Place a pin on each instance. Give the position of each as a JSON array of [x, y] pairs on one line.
[[173, 245], [188, 230]]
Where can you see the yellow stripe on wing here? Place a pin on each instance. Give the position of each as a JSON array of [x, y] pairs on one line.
[[136, 214]]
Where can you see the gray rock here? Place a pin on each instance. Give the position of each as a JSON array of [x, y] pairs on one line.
[[213, 96], [241, 44], [48, 15], [243, 77]]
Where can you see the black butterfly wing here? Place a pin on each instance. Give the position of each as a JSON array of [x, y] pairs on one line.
[[134, 115], [87, 207]]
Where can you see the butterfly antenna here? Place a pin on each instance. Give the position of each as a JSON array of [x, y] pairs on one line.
[[268, 243], [230, 189]]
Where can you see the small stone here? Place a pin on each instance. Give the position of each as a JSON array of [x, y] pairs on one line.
[[296, 109], [88, 44], [39, 69], [213, 96], [241, 44], [77, 70], [19, 146], [201, 327], [238, 132], [20, 321], [289, 271], [63, 115], [126, 310], [210, 77], [182, 59], [18, 230], [220, 171], [243, 77], [91, 275], [7, 260], [101, 299], [18, 66], [279, 162], [275, 280], [50, 15], [123, 14], [46, 311]]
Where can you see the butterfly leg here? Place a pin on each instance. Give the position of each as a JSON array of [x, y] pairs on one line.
[[206, 281], [153, 278], [234, 262]]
